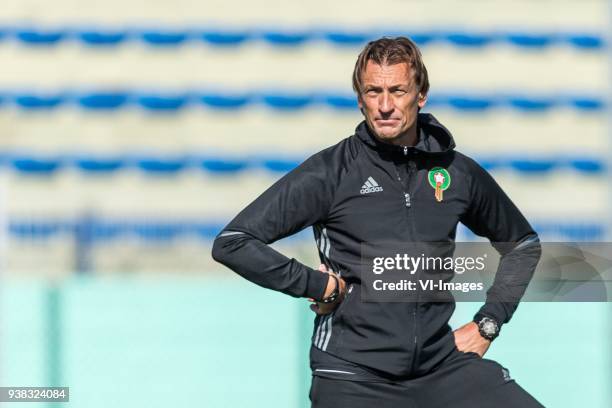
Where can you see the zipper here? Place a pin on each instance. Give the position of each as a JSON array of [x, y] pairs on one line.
[[408, 204], [414, 330], [407, 198], [411, 171]]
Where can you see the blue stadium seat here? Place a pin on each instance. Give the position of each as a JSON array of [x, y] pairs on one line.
[[220, 165], [36, 165], [102, 37], [340, 101], [103, 230], [531, 166], [286, 101], [160, 231], [469, 39], [164, 37], [587, 165], [531, 104], [105, 101], [285, 38], [207, 230], [39, 36], [585, 41], [36, 230], [98, 164], [586, 103], [225, 37], [161, 165], [346, 38], [225, 101], [36, 102], [280, 165], [470, 102], [162, 102], [530, 40]]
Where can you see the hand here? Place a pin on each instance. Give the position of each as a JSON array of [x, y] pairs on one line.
[[468, 339], [326, 308]]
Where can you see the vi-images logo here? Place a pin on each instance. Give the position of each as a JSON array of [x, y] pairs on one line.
[[370, 186]]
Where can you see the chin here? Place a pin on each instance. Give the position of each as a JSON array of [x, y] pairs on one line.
[[387, 134]]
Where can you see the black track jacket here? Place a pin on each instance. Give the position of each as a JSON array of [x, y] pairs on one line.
[[362, 190]]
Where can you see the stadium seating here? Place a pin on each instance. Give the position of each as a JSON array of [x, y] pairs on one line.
[[148, 121]]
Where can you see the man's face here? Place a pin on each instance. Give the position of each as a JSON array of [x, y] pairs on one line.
[[390, 100]]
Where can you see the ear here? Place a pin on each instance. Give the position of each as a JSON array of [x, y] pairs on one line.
[[422, 100], [360, 105]]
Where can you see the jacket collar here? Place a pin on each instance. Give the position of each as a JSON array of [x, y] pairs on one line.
[[434, 138]]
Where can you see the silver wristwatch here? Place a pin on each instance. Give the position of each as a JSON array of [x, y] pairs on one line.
[[488, 328]]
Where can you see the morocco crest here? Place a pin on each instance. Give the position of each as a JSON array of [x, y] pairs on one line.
[[440, 180]]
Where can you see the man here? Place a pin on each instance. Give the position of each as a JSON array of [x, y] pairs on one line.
[[390, 181]]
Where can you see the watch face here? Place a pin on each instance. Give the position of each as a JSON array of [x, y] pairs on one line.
[[489, 327]]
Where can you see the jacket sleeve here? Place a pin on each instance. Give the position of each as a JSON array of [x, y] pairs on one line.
[[493, 215], [299, 199]]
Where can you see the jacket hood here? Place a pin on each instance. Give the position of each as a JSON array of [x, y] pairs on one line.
[[434, 138]]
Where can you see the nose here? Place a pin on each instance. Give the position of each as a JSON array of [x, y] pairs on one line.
[[385, 103]]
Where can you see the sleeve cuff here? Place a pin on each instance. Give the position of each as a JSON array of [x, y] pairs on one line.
[[486, 311], [316, 285]]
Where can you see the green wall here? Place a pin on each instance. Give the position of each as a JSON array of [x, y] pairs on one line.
[[184, 342]]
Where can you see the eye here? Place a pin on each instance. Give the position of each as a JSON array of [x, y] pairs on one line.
[[399, 92]]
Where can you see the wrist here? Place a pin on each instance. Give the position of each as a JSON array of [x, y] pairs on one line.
[[332, 293]]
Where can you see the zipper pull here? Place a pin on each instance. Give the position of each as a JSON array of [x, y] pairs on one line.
[[405, 150], [407, 197]]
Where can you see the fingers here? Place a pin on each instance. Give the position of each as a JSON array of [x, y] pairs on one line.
[[318, 310], [321, 309]]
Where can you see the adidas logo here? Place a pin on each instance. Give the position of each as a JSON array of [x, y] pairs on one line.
[[370, 186]]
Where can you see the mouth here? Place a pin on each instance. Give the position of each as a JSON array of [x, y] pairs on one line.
[[387, 122]]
